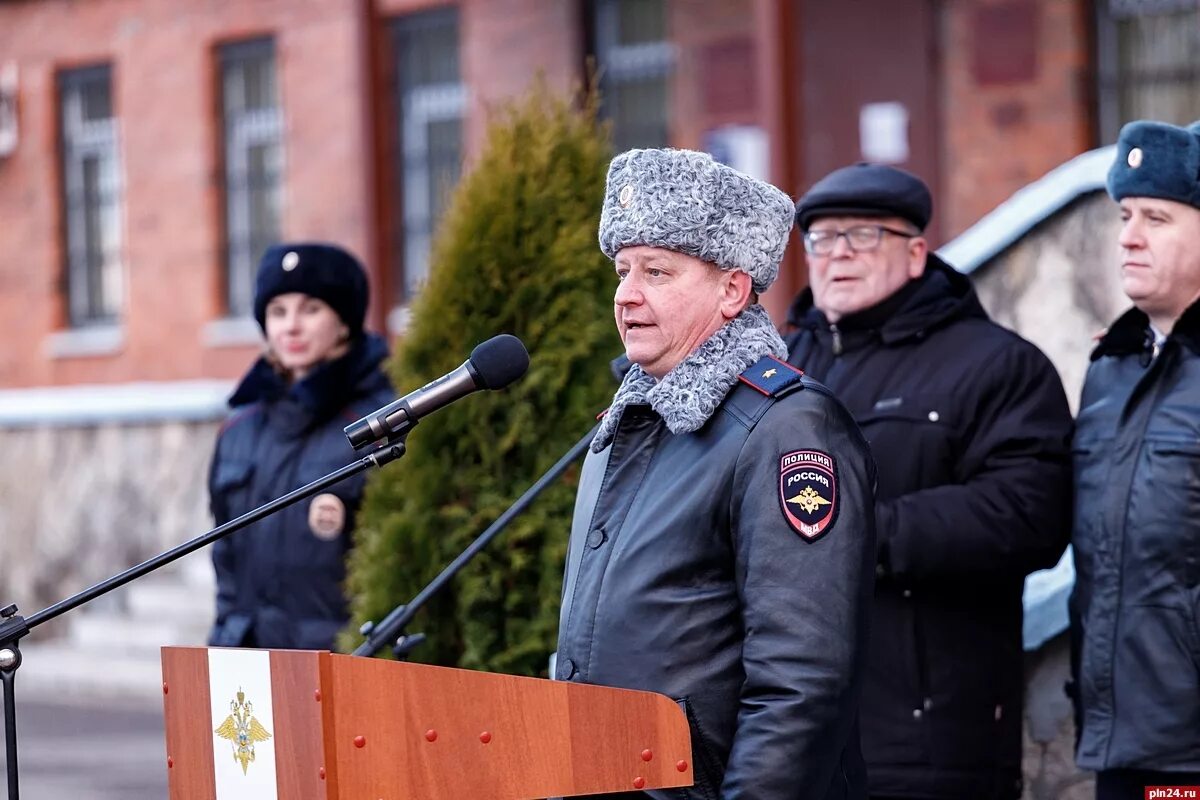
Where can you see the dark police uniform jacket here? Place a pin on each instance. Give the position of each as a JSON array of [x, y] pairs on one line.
[[687, 577], [279, 581], [970, 430], [1136, 605]]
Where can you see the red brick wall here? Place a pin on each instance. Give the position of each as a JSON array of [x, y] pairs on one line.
[[715, 80], [163, 59], [1012, 109], [1013, 103]]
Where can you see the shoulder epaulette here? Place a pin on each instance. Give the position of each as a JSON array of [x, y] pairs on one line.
[[772, 377]]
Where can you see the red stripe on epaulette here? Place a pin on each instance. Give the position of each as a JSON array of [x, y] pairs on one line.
[[754, 386], [238, 416]]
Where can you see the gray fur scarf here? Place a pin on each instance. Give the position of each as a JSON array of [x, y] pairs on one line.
[[691, 392]]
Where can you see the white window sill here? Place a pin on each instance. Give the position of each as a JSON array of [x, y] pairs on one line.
[[232, 332], [89, 342]]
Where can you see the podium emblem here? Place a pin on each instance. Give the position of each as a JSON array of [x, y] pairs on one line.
[[243, 730]]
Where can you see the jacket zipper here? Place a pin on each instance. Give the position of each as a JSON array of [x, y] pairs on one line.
[[837, 339]]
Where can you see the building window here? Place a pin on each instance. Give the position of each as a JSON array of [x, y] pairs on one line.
[[431, 99], [253, 154], [1148, 54], [91, 176], [635, 60]]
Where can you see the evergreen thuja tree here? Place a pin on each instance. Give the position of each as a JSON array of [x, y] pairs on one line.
[[516, 253]]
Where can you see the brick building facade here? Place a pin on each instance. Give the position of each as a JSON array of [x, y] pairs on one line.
[[357, 144]]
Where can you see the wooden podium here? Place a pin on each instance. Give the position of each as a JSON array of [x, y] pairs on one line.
[[348, 728]]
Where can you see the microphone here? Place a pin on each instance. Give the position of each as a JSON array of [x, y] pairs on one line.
[[493, 364]]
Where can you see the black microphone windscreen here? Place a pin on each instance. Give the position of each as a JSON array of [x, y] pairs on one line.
[[499, 361]]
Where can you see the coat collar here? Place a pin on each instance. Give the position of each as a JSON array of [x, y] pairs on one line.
[[941, 295], [1131, 333], [689, 394], [325, 390]]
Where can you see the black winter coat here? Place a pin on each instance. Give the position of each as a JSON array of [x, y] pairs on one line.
[[1135, 609], [684, 577], [279, 581], [970, 429]]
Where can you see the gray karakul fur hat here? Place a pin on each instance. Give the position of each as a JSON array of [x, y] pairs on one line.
[[685, 201], [1156, 159]]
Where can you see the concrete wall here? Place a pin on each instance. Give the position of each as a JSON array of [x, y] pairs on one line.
[[1060, 286], [78, 504]]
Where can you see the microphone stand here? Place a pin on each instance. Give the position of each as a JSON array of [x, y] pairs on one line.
[[13, 626], [391, 629]]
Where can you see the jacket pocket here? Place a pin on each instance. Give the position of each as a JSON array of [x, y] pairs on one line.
[[925, 428], [1162, 504], [230, 489], [1156, 682], [706, 767]]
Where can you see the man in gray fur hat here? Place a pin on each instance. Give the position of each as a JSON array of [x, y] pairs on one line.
[[722, 548], [1135, 609]]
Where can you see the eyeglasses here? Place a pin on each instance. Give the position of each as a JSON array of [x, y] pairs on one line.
[[860, 238]]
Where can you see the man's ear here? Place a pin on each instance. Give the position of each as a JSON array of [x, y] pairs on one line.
[[918, 251], [736, 291]]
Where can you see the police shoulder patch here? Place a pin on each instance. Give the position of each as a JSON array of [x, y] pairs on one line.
[[808, 492]]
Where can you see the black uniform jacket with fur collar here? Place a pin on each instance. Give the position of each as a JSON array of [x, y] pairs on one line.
[[730, 568]]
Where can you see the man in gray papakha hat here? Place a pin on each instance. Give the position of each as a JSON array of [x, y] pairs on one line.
[[722, 549]]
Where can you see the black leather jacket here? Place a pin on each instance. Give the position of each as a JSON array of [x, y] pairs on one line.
[[685, 577], [1136, 605]]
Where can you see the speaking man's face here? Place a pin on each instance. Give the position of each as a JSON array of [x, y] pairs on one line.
[[667, 304]]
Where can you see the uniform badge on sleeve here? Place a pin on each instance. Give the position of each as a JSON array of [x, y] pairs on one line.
[[808, 492]]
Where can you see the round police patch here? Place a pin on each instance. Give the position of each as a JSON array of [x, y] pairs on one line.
[[808, 492]]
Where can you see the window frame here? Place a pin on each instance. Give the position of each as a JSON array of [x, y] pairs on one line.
[[630, 63], [93, 284], [1111, 84], [242, 130], [418, 105]]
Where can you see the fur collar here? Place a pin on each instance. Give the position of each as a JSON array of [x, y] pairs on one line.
[[1131, 334], [689, 394]]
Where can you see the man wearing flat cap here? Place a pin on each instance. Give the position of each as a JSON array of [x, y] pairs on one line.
[[970, 430], [722, 548], [1135, 610]]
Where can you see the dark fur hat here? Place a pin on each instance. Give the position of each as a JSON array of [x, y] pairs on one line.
[[1156, 159], [324, 271]]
